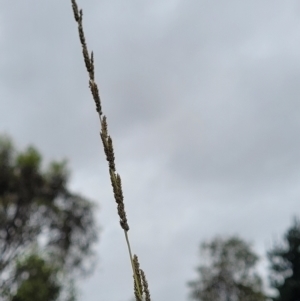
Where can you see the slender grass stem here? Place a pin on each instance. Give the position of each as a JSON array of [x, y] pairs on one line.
[[140, 282]]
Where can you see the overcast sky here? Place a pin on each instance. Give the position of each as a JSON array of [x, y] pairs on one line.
[[202, 101]]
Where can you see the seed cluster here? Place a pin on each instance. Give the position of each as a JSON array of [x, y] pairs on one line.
[[141, 290], [141, 285], [106, 139]]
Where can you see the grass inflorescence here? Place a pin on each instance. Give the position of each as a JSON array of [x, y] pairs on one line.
[[141, 290]]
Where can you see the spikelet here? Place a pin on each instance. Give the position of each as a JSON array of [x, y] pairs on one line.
[[140, 282]]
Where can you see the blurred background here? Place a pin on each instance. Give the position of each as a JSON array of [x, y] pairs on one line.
[[202, 101]]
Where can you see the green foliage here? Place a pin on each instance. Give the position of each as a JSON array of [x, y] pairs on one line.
[[36, 280], [36, 204], [285, 265], [228, 274]]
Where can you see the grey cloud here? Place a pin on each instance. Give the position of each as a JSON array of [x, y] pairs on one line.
[[202, 103]]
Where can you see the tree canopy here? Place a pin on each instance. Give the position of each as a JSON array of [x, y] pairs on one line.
[[36, 279], [36, 206], [285, 265], [228, 272]]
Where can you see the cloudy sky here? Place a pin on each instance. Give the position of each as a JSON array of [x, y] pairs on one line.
[[202, 100]]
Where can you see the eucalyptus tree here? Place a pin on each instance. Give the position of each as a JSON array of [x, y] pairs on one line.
[[285, 265], [227, 272], [37, 207]]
